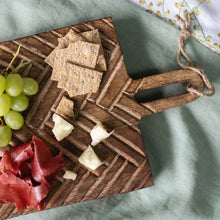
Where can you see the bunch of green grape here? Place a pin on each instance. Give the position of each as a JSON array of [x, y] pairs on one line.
[[13, 100]]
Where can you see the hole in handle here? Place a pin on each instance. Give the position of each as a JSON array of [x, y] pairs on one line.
[[161, 92]]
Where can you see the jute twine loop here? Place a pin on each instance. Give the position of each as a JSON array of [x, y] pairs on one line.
[[184, 34]]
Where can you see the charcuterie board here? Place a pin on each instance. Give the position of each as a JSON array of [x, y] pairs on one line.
[[126, 167]]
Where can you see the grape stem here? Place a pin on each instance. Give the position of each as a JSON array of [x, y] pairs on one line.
[[13, 59], [2, 122], [10, 66], [19, 67]]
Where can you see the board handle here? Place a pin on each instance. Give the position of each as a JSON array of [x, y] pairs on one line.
[[168, 78]]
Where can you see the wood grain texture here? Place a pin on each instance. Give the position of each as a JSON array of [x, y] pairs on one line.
[[126, 167]]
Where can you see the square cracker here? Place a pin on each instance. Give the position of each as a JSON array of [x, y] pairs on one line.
[[71, 37], [81, 80], [65, 107], [81, 53], [94, 37], [63, 42]]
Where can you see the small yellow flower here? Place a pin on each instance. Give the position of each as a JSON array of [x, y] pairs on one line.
[[209, 45], [159, 3], [167, 13], [208, 1], [215, 45], [172, 22], [193, 34], [208, 40], [151, 5], [178, 5], [149, 11], [142, 2], [196, 11], [217, 51], [199, 1], [159, 14]]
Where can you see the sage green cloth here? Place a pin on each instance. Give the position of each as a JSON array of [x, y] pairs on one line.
[[183, 144]]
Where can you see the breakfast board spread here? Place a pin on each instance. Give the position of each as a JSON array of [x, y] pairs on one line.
[[121, 163]]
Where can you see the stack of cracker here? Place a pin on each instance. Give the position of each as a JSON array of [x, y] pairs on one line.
[[78, 62]]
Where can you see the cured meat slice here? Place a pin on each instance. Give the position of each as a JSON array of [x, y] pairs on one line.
[[24, 174]]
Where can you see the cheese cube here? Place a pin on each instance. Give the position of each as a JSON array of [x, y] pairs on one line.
[[69, 175], [98, 134], [61, 127], [89, 159]]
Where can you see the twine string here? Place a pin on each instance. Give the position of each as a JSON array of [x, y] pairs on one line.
[[184, 34]]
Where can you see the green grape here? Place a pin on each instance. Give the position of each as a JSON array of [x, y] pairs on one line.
[[5, 104], [19, 103], [5, 135], [30, 86], [14, 84], [2, 84], [14, 120]]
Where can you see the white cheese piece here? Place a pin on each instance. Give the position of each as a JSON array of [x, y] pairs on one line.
[[69, 175], [61, 128], [89, 159], [98, 134]]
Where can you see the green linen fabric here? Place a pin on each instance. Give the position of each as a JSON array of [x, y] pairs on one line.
[[183, 144]]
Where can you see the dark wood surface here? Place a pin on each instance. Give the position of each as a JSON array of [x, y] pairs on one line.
[[126, 167]]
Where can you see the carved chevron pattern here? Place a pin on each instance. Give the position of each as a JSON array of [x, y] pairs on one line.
[[126, 166]]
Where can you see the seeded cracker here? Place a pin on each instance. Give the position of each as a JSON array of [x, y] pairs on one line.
[[59, 62], [71, 37], [94, 37], [63, 42], [82, 80], [65, 107], [89, 36], [50, 59], [81, 53]]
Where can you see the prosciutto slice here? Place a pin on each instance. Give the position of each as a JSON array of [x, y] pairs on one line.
[[24, 174], [43, 164]]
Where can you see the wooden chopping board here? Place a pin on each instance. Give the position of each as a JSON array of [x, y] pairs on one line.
[[126, 167]]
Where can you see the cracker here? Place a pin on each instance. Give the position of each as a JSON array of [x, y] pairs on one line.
[[70, 37], [63, 42], [94, 37], [59, 63], [82, 80], [65, 107], [50, 58], [55, 75], [81, 53]]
